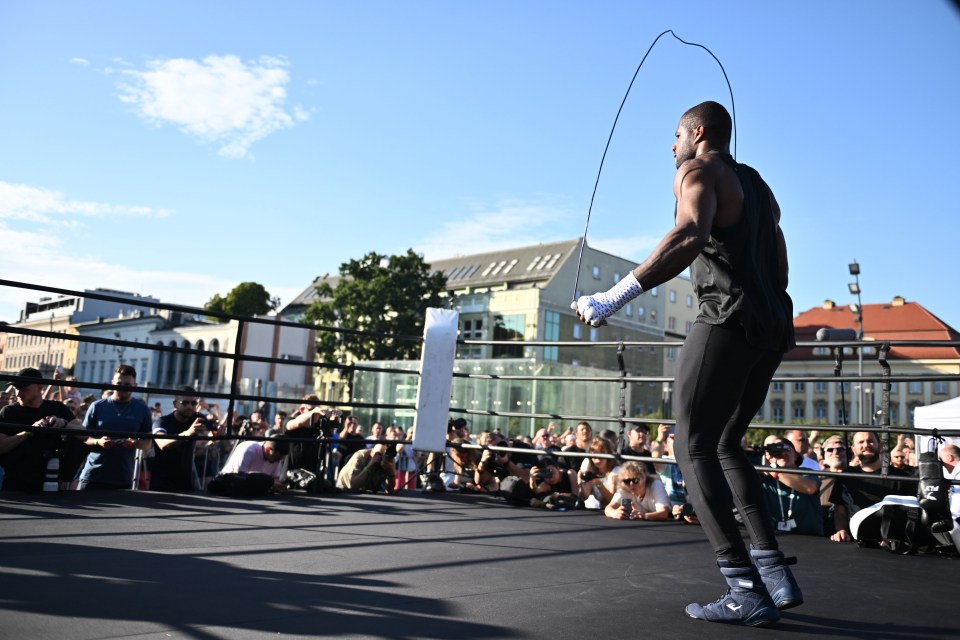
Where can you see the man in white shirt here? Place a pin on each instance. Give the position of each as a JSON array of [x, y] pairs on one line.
[[254, 456]]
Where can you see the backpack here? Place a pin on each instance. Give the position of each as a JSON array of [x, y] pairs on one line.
[[241, 485]]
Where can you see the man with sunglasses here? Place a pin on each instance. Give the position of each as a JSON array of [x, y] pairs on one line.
[[172, 466]]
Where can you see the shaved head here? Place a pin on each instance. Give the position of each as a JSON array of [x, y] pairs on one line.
[[714, 119]]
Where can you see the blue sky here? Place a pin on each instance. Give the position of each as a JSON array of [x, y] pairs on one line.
[[176, 149]]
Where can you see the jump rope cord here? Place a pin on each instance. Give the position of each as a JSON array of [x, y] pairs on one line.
[[583, 240]]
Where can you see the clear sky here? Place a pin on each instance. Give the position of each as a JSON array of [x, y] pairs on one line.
[[177, 148]]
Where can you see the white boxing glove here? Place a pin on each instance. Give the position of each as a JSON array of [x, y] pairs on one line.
[[595, 309]]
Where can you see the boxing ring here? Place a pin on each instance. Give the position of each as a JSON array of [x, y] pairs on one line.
[[412, 565]]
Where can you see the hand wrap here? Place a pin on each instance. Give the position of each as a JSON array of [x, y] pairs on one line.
[[597, 308]]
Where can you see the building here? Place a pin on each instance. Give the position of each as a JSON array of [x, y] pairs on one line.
[[524, 294], [61, 314], [813, 402]]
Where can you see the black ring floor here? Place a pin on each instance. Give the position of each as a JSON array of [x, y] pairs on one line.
[[445, 566]]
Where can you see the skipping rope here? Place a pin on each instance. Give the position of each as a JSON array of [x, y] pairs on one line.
[[583, 240]]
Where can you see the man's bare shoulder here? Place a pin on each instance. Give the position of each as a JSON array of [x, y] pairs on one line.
[[703, 169]]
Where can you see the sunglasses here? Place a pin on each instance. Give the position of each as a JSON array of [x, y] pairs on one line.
[[630, 481], [833, 450]]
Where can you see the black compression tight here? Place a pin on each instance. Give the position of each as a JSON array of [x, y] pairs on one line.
[[721, 383]]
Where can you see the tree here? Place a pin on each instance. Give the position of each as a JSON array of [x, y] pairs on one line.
[[245, 299], [380, 294]]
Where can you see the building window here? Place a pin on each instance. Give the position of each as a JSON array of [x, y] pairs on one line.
[[777, 387], [893, 387], [821, 351], [915, 388], [940, 388], [616, 278], [551, 332], [596, 273], [671, 323], [820, 386], [640, 312], [799, 387], [843, 386], [577, 331], [594, 334], [653, 316], [673, 295], [690, 301], [654, 292], [798, 411], [509, 328], [777, 412], [671, 354], [629, 309], [820, 411]]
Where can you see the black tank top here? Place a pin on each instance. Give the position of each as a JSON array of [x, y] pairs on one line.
[[735, 275]]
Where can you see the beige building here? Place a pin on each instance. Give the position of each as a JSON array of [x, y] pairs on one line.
[[813, 402]]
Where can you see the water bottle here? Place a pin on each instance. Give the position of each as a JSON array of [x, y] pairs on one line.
[[52, 481]]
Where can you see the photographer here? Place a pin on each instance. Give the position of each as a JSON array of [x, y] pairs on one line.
[[313, 422], [370, 470], [792, 499], [546, 479], [494, 466], [172, 468]]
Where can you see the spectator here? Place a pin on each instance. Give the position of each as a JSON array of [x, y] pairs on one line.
[[834, 459], [584, 435], [351, 439], [407, 462], [376, 433], [647, 498], [369, 470], [156, 411], [546, 479], [172, 468], [801, 444], [670, 476], [111, 464], [849, 495], [950, 457], [255, 456], [899, 459], [611, 436], [24, 454], [494, 466], [598, 476], [280, 421], [793, 500]]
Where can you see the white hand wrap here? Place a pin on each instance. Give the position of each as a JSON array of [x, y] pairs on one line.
[[597, 308]]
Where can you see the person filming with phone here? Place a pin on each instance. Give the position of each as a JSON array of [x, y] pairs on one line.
[[639, 495], [793, 500]]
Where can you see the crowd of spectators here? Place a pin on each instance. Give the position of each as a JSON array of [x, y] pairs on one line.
[[320, 448]]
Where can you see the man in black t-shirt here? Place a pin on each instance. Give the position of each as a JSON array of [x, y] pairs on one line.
[[24, 454], [172, 466]]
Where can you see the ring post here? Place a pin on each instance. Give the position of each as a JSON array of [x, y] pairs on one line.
[[436, 378]]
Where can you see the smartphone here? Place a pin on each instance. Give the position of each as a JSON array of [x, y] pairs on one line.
[[627, 506]]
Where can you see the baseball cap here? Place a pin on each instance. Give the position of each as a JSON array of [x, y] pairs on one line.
[[29, 372]]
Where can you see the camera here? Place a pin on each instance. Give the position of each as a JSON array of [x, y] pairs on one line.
[[774, 449], [589, 475], [627, 505]]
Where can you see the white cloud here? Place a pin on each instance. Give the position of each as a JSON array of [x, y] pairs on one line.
[[80, 62], [220, 99], [45, 258], [23, 202], [516, 224]]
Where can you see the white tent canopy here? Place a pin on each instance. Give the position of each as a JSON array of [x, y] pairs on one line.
[[942, 415]]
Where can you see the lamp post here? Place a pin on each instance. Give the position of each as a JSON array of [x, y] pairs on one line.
[[857, 310]]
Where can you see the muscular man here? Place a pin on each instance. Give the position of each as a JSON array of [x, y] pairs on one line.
[[727, 229]]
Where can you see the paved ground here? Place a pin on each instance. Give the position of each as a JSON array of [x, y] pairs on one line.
[[144, 565]]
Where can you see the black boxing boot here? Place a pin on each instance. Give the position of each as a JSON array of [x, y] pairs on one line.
[[775, 570], [933, 494], [746, 601]]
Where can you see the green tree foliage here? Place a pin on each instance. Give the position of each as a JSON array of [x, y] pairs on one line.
[[387, 295], [245, 299]]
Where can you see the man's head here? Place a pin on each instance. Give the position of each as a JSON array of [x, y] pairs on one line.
[[548, 469], [126, 376], [275, 450], [898, 458], [638, 437], [29, 393], [834, 453], [866, 447], [584, 434], [185, 403], [798, 438], [709, 123], [777, 449], [376, 431], [950, 456]]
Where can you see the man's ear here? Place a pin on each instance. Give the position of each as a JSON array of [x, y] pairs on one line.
[[698, 133]]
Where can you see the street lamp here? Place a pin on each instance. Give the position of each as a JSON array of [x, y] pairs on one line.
[[857, 310]]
